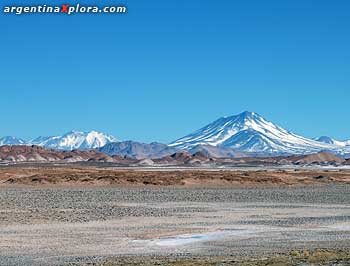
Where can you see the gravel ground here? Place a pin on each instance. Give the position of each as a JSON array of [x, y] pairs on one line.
[[65, 226]]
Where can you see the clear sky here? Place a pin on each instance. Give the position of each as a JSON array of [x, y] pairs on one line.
[[169, 67]]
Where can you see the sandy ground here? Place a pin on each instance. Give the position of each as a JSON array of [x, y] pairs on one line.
[[78, 226]]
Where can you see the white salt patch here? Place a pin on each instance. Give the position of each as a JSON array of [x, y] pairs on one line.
[[184, 239]]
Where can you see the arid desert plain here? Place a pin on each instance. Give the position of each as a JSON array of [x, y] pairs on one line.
[[104, 216]]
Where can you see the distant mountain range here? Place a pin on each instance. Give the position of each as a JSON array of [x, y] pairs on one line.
[[244, 135], [137, 150], [73, 140]]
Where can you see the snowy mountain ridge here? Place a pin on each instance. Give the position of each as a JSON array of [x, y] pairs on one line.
[[9, 140], [329, 140], [73, 140]]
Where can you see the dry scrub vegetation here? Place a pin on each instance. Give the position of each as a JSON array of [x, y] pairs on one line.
[[107, 176], [318, 257]]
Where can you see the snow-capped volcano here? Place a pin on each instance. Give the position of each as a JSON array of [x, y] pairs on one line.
[[75, 140], [9, 140], [250, 132]]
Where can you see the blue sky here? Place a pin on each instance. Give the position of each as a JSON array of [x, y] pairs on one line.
[[169, 67]]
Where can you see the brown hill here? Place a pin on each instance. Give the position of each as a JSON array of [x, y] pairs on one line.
[[321, 158], [18, 154], [218, 152], [36, 154], [318, 158], [184, 158]]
